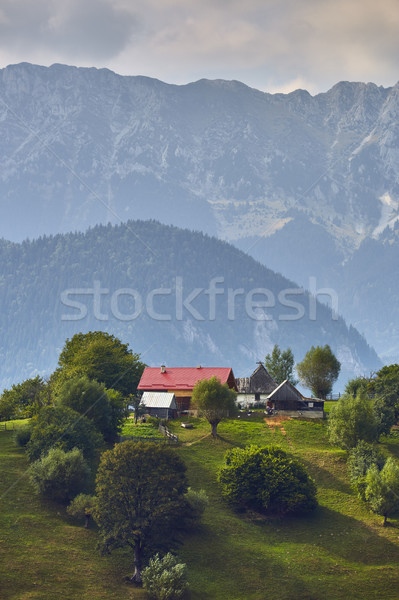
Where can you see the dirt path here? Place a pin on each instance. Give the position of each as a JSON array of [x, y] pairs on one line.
[[277, 423]]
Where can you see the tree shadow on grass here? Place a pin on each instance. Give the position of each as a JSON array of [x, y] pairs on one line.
[[337, 535]]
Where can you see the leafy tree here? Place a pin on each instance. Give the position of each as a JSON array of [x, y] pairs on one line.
[[140, 490], [82, 507], [60, 475], [382, 489], [357, 384], [384, 415], [266, 479], [361, 458], [62, 427], [103, 357], [319, 370], [165, 578], [214, 401], [135, 401], [23, 399], [385, 385], [280, 365], [94, 401], [351, 420]]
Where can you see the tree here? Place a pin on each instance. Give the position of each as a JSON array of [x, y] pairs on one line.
[[266, 479], [351, 420], [62, 427], [214, 401], [280, 365], [82, 507], [319, 370], [140, 489], [60, 475], [94, 401], [103, 357], [361, 458], [382, 489], [23, 399], [165, 578], [135, 401]]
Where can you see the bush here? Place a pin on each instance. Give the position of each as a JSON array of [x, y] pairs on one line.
[[82, 507], [63, 428], [60, 475], [197, 503], [352, 419], [361, 458], [266, 479], [165, 578], [22, 434], [154, 421]]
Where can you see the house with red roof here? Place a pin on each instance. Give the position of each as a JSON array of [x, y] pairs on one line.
[[181, 381]]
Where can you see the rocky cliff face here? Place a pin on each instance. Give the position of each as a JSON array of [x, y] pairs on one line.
[[300, 182]]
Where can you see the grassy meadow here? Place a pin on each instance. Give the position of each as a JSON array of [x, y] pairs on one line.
[[339, 551]]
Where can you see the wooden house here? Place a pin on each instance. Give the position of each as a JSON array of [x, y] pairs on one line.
[[288, 400], [180, 381], [255, 388], [159, 404]]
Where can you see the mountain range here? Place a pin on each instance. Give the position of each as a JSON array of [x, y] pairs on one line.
[[308, 185], [177, 297]]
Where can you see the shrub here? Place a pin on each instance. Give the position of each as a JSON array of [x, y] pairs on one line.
[[154, 421], [22, 434], [63, 428], [60, 475], [165, 578], [352, 419], [266, 479], [361, 458], [197, 503], [82, 507], [382, 489]]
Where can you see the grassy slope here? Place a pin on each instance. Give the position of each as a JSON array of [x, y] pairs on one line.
[[340, 550]]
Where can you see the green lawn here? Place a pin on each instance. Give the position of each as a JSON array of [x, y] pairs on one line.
[[339, 551]]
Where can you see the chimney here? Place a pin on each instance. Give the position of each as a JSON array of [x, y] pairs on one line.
[[163, 369], [199, 367]]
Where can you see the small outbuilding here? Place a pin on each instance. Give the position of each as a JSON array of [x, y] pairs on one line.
[[160, 404], [289, 401]]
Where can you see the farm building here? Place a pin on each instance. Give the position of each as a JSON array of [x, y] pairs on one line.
[[288, 400], [255, 388], [159, 404], [180, 381]]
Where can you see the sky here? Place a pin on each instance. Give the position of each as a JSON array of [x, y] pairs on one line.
[[271, 45]]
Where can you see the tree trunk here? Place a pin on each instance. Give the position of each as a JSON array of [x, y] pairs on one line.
[[87, 520], [137, 563], [385, 521], [214, 427]]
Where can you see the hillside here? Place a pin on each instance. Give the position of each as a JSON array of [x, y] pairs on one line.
[[339, 551], [177, 297], [302, 183]]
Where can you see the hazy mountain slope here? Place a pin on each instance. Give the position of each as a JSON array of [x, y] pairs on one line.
[[154, 290], [299, 182]]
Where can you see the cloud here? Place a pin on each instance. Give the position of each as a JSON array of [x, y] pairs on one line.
[[93, 29], [269, 44]]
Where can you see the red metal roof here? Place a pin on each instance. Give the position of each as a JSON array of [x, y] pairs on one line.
[[181, 378]]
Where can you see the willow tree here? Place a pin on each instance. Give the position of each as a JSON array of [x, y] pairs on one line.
[[214, 400]]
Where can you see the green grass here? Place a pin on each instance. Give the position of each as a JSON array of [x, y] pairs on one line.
[[339, 551], [141, 430]]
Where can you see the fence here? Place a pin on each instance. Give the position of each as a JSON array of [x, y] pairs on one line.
[[7, 426], [168, 434], [135, 438]]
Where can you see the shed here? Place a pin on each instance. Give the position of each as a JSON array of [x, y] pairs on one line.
[[255, 388], [160, 404]]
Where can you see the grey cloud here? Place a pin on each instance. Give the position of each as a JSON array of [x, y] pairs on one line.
[[93, 29]]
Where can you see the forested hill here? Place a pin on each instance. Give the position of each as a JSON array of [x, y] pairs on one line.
[[151, 285]]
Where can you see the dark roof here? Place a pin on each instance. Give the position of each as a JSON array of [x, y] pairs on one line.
[[260, 382], [286, 389]]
